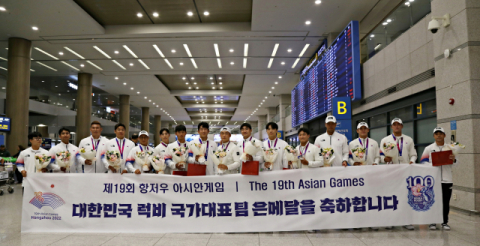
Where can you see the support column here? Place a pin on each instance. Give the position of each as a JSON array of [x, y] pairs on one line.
[[146, 119], [125, 112], [84, 106], [261, 126], [285, 101], [18, 91], [158, 127], [458, 77]]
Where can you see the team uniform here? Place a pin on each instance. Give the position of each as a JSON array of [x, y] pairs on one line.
[[97, 165], [26, 161], [338, 142], [232, 160], [406, 149], [312, 154], [123, 146], [169, 160], [279, 146], [130, 164], [161, 150], [371, 150], [73, 154], [209, 150]]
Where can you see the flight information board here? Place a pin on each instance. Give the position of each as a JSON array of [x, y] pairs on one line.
[[336, 73]]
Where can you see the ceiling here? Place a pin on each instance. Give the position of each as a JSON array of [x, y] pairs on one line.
[[147, 57]]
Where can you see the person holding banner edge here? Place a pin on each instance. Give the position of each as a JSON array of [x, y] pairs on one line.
[[338, 142], [96, 142], [161, 149], [119, 144], [203, 129], [131, 164], [279, 145], [232, 158], [446, 173], [372, 153]]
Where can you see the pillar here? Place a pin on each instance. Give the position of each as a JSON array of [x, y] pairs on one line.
[[158, 127], [285, 101], [261, 126], [84, 106], [458, 77], [18, 91], [145, 119], [125, 112]]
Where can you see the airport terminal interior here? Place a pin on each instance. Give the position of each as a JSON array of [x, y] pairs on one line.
[[160, 64]]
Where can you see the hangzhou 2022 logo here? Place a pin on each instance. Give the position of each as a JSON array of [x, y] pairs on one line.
[[420, 192]]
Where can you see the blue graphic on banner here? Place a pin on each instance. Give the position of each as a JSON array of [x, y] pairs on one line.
[[420, 192]]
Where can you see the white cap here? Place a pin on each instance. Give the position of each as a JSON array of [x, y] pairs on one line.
[[438, 129], [397, 120], [143, 133], [331, 119], [362, 124], [226, 129]]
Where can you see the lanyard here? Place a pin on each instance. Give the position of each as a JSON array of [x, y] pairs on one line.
[[165, 145], [366, 147], [181, 144], [273, 145], [225, 149], [305, 151], [95, 143], [141, 147], [122, 148], [206, 152], [400, 148], [245, 142]]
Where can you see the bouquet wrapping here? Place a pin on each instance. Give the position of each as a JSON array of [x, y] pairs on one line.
[[114, 159], [42, 161], [142, 159], [158, 163], [328, 156], [198, 149], [390, 150], [88, 154], [62, 159], [292, 155], [251, 148], [359, 155], [456, 147], [219, 158], [180, 154], [270, 155]]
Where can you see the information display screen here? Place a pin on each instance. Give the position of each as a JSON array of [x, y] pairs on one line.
[[336, 73]]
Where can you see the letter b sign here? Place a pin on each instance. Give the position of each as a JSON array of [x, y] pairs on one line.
[[342, 108]]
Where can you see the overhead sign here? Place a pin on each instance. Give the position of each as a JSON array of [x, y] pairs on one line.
[[342, 110], [4, 124]]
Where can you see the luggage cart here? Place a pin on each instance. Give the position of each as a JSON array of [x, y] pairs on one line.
[[7, 175]]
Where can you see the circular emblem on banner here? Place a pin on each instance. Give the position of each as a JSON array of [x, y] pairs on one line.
[[421, 196]]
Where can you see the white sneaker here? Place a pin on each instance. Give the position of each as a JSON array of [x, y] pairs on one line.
[[432, 227], [446, 227], [409, 227]]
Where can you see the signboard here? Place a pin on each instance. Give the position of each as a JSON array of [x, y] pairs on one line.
[[342, 110], [4, 124]]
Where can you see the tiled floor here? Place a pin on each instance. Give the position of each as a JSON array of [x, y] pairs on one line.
[[465, 231]]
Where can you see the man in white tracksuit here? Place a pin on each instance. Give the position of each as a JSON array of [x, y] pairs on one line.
[[26, 159], [211, 147], [406, 153], [279, 145], [96, 142], [232, 160], [181, 132], [161, 149], [142, 146], [309, 154], [332, 139], [246, 130], [64, 135], [446, 173], [363, 141], [121, 144]]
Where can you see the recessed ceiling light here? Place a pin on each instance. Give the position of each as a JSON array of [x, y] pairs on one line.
[[173, 51], [181, 63], [283, 63], [269, 91], [155, 14], [389, 20], [220, 78], [308, 22], [124, 83], [184, 78], [116, 52], [131, 88], [139, 15], [138, 92], [232, 63], [231, 50], [131, 64], [194, 83], [81, 65], [116, 77], [273, 88], [221, 88], [190, 88], [197, 88], [34, 28], [148, 100], [145, 97], [279, 77], [385, 23], [289, 50], [186, 83], [2, 8], [220, 82], [60, 53], [318, 2], [213, 88], [190, 13], [206, 13]]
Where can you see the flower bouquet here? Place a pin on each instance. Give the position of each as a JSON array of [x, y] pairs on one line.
[[359, 155], [456, 147], [63, 159], [270, 155], [219, 158], [88, 154], [142, 159], [198, 149], [251, 148], [292, 155], [328, 156], [390, 150], [42, 161], [179, 154], [158, 163], [113, 159]]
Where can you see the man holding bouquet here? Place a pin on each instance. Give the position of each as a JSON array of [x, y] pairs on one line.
[[64, 153], [363, 150], [403, 144], [308, 154], [88, 159], [177, 152], [334, 140], [274, 146], [231, 158], [207, 147], [138, 158], [116, 150], [161, 149], [246, 130]]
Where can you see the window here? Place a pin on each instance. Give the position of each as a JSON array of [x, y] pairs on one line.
[[405, 114], [378, 120], [426, 109], [425, 130], [378, 134]]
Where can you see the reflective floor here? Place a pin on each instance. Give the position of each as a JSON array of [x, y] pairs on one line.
[[465, 231]]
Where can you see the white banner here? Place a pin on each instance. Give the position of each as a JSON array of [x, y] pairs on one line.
[[305, 199]]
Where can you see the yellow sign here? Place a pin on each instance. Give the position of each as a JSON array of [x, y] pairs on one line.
[[419, 109], [342, 107]]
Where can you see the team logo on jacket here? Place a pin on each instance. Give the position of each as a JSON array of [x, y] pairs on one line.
[[46, 199], [420, 192]]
